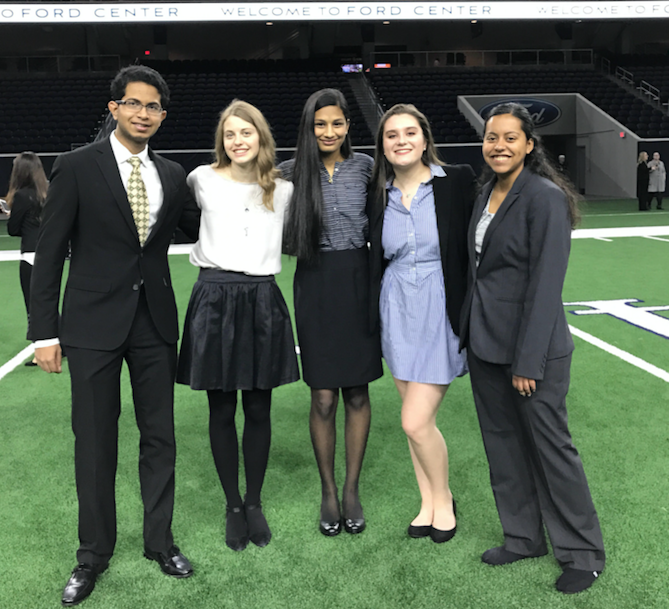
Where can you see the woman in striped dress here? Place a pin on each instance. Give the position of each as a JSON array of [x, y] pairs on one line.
[[326, 229], [418, 227]]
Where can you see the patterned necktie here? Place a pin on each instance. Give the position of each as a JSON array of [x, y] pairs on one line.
[[138, 199]]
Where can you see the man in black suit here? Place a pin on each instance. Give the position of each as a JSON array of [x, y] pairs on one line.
[[117, 204]]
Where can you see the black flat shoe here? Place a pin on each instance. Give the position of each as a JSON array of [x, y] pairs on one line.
[[573, 581], [501, 556], [259, 532], [439, 536], [172, 562], [236, 529], [80, 584], [419, 531], [354, 525], [30, 364], [330, 529]]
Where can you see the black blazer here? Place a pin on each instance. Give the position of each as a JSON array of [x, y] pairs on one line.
[[513, 312], [87, 207], [453, 200], [24, 221]]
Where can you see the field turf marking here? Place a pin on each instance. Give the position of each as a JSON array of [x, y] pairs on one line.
[[623, 355], [16, 361]]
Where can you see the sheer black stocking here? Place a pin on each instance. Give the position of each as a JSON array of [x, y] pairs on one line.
[[358, 418], [323, 437]]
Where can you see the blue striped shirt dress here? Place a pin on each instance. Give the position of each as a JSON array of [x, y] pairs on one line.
[[417, 340]]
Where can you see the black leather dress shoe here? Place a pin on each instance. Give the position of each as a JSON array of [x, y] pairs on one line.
[[354, 525], [330, 529], [501, 556], [80, 584], [172, 563]]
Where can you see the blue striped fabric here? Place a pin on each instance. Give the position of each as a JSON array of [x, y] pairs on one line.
[[345, 223], [417, 339]]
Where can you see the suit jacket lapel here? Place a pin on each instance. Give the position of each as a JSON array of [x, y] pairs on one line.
[[479, 206], [109, 167], [504, 207]]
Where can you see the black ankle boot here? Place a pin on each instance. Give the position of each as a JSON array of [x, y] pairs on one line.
[[236, 529]]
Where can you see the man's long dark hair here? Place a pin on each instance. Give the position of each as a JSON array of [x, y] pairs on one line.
[[305, 215], [537, 161]]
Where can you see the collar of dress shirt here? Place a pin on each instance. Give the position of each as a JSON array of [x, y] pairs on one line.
[[122, 154], [436, 171]]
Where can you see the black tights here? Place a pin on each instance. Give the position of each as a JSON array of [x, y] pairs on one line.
[[323, 435], [255, 442]]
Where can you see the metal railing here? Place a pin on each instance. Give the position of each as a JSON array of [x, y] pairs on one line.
[[60, 64], [625, 75], [522, 57], [651, 92]]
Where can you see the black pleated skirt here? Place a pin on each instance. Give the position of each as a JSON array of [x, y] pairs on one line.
[[237, 334], [337, 348]]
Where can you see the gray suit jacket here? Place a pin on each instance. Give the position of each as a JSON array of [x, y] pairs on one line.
[[513, 311]]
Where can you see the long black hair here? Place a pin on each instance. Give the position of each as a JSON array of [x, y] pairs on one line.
[[537, 161], [305, 214]]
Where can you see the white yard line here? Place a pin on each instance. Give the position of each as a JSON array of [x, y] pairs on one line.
[[657, 239], [623, 355], [16, 361]]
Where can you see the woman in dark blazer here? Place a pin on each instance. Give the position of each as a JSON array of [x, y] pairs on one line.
[[419, 212], [27, 192], [642, 181], [519, 352]]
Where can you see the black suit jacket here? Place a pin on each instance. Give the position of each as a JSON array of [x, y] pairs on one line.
[[87, 207], [453, 199], [24, 221], [513, 312]]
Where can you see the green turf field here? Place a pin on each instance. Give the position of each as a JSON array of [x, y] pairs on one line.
[[618, 417]]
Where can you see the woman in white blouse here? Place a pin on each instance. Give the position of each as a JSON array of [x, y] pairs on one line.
[[237, 333]]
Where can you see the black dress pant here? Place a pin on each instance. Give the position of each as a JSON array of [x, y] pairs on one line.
[[25, 273], [536, 472], [96, 407]]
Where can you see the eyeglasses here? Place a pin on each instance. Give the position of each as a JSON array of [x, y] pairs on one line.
[[135, 106]]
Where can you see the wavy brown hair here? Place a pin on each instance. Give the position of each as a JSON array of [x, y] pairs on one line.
[[267, 172], [383, 170]]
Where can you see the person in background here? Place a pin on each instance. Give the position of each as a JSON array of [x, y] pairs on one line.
[[642, 180], [418, 228], [237, 333], [118, 204], [657, 180], [26, 196], [326, 229], [519, 351]]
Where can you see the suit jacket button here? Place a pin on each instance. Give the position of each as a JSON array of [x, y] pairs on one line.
[[135, 287]]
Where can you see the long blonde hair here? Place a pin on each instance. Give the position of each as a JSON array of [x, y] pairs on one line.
[[267, 171]]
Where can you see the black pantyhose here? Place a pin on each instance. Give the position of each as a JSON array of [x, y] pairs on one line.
[[323, 437], [255, 441]]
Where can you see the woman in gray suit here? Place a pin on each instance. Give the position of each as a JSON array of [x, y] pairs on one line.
[[519, 352]]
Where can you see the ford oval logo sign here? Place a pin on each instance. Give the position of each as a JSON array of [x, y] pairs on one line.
[[543, 112]]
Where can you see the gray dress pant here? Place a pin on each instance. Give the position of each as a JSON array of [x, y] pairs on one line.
[[536, 472]]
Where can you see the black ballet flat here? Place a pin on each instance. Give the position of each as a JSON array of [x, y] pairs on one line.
[[439, 536], [330, 529], [419, 531], [354, 525]]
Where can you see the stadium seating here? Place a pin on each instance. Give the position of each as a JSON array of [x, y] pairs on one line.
[[52, 113]]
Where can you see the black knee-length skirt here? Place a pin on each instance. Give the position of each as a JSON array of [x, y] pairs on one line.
[[237, 334], [337, 348]]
